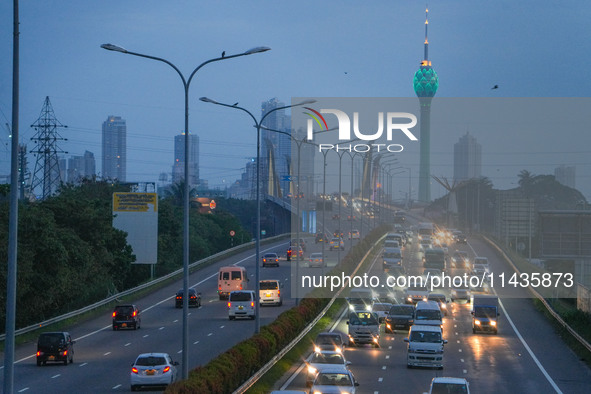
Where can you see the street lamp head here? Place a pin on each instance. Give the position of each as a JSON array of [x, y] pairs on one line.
[[112, 47], [207, 100], [257, 50]]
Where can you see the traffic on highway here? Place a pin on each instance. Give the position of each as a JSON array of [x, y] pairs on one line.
[[390, 336]]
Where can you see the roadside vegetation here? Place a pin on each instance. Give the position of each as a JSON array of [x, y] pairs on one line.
[[70, 256]]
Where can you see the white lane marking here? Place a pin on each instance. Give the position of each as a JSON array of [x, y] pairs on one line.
[[83, 364], [380, 380], [180, 351], [145, 336], [389, 347], [387, 357], [127, 344], [161, 328], [195, 343], [460, 350], [210, 334], [222, 326], [462, 360], [458, 341], [455, 326], [531, 353], [106, 354], [116, 387], [384, 367], [174, 321], [456, 333], [23, 390], [56, 376], [465, 370]]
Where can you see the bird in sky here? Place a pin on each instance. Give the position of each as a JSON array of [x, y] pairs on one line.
[[495, 87], [235, 104], [224, 54]]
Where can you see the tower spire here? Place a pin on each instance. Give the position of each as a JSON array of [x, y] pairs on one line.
[[426, 39]]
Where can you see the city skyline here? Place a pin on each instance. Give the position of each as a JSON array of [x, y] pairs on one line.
[[475, 48]]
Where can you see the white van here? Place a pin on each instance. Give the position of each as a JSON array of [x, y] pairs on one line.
[[428, 313], [270, 292], [425, 346], [241, 304], [231, 278]]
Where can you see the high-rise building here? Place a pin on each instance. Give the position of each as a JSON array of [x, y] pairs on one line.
[[80, 167], [425, 83], [275, 150], [114, 161], [565, 175], [467, 158], [178, 168]]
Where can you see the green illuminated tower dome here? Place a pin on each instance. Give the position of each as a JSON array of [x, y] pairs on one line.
[[425, 84]]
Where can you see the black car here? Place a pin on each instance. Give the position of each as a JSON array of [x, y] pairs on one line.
[[400, 316], [194, 298], [461, 239], [126, 316], [55, 346]]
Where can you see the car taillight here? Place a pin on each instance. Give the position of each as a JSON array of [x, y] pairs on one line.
[[134, 313], [240, 286], [38, 353], [65, 353], [114, 314], [166, 370], [278, 292], [252, 304], [229, 304], [134, 370]]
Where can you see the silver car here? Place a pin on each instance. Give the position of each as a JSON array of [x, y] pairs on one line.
[[152, 369], [334, 382]]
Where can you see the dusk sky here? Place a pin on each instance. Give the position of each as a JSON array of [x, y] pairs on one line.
[[319, 49]]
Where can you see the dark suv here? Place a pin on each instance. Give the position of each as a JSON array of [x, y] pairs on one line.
[[126, 316], [400, 316], [55, 346], [194, 298]]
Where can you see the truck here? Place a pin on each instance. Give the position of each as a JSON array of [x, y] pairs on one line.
[[425, 229], [434, 258], [360, 299], [485, 313], [363, 328]]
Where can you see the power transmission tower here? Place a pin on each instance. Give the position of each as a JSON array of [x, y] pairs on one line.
[[47, 172]]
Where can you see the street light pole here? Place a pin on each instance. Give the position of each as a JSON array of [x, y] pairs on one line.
[[258, 125], [186, 84]]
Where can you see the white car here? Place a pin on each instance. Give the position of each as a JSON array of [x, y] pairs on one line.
[[381, 309], [334, 382], [153, 369], [449, 385], [323, 361], [316, 260]]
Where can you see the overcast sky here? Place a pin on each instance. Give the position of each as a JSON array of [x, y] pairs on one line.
[[323, 49]]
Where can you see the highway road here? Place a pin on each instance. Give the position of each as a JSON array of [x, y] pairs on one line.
[[103, 357], [525, 357]]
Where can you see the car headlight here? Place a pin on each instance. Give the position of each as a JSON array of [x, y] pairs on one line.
[[493, 323], [389, 326], [312, 370], [317, 349], [368, 307], [477, 322], [351, 307]]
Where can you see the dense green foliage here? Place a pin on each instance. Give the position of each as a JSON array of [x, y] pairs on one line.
[[69, 255]]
